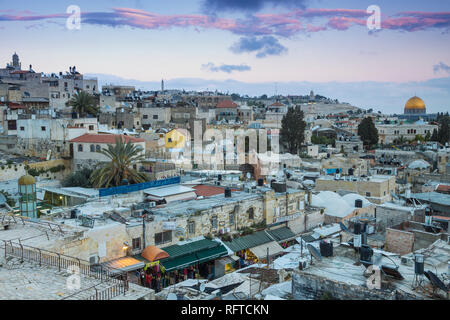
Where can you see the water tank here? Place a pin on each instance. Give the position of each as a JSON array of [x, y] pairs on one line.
[[219, 177], [358, 203], [419, 264], [227, 193], [357, 228], [350, 171], [260, 182], [279, 187], [73, 214], [326, 249], [363, 238], [366, 253]]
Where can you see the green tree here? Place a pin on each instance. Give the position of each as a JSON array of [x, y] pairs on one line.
[[434, 136], [84, 103], [293, 129], [78, 179], [428, 136], [444, 131], [368, 132], [123, 156]]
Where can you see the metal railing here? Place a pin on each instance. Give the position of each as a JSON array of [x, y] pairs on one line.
[[118, 278]]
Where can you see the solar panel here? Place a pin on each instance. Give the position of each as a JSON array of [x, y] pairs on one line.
[[435, 281]]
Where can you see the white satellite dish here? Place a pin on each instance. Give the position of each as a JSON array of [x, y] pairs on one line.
[[202, 287], [172, 296]]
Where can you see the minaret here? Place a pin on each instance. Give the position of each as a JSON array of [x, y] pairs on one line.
[[162, 85], [15, 61]]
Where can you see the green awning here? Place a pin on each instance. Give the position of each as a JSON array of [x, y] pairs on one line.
[[211, 254], [180, 262]]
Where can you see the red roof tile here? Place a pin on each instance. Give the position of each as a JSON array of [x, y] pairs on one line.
[[15, 106], [227, 104], [277, 104], [443, 188], [105, 138]]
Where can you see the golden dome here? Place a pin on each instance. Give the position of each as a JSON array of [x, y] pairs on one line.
[[415, 103], [27, 180]]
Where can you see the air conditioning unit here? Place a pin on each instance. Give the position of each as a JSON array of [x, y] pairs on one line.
[[152, 204]]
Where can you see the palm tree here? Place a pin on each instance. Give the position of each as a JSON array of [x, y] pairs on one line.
[[82, 103], [123, 156]]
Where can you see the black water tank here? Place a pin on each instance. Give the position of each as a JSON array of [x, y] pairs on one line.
[[227, 193], [326, 249], [279, 187], [419, 264], [260, 182], [358, 203], [366, 253], [350, 171], [357, 228], [363, 238], [73, 214]]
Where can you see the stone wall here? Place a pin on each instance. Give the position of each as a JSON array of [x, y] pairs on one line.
[[389, 217], [399, 241], [312, 287]]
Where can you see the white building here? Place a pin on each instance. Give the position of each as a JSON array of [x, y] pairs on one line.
[[86, 148]]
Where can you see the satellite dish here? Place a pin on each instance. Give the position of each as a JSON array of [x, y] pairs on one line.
[[202, 287], [172, 296], [314, 252]]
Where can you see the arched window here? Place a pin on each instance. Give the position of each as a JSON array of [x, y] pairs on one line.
[[97, 148], [251, 213], [80, 148], [92, 148]]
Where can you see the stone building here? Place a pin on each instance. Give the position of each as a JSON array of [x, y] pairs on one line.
[[377, 189], [86, 148]]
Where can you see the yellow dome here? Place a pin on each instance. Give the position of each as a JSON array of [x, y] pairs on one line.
[[415, 103], [27, 180]]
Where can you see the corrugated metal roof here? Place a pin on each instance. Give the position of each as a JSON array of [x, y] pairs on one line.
[[176, 250], [281, 234], [249, 241], [434, 197], [261, 251]]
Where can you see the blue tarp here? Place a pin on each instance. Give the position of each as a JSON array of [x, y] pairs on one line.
[[138, 187]]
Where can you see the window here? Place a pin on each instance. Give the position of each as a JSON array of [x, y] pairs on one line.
[[43, 128], [191, 227], [163, 237], [145, 116], [91, 127], [367, 194], [214, 222], [22, 128], [92, 148], [58, 149], [155, 117], [80, 148], [251, 213], [231, 219], [97, 148], [136, 243], [170, 140]]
